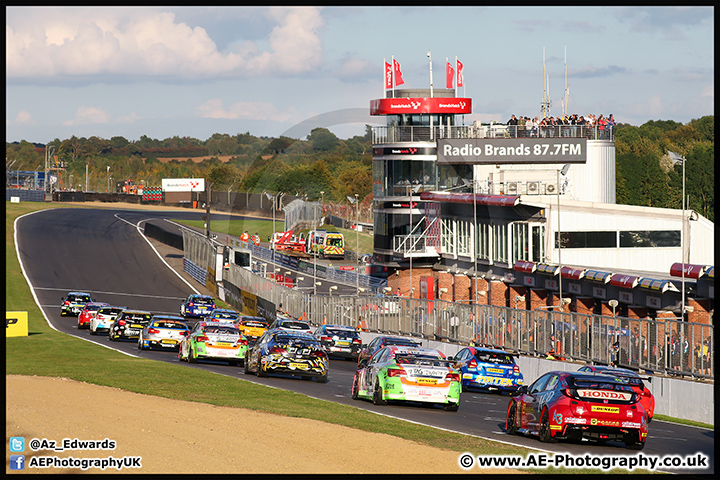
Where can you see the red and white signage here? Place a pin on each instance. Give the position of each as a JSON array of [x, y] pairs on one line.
[[183, 184], [691, 271], [394, 106], [605, 395]]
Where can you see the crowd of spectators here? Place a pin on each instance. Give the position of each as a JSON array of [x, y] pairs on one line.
[[600, 128]]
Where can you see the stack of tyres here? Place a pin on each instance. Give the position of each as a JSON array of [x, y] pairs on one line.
[[152, 194]]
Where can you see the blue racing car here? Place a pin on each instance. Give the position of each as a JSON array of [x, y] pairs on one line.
[[488, 369], [199, 306]]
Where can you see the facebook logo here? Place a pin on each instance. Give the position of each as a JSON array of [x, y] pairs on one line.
[[17, 444], [17, 462]]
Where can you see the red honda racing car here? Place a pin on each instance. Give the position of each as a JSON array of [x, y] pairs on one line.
[[579, 405]]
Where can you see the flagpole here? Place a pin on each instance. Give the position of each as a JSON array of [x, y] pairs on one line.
[[384, 78], [393, 76], [456, 75]]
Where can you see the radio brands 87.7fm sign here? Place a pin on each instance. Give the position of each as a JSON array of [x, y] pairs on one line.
[[512, 150], [16, 324]]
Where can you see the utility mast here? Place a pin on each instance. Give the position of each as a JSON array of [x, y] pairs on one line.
[[545, 105], [565, 98]]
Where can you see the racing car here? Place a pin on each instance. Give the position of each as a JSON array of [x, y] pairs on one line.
[[73, 302], [129, 324], [339, 341], [405, 373], [88, 312], [286, 352], [213, 341], [488, 369], [198, 306], [104, 317], [252, 327], [166, 331], [223, 315], [576, 406], [381, 341]]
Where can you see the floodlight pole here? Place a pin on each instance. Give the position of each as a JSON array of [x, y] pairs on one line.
[[563, 171], [677, 158]]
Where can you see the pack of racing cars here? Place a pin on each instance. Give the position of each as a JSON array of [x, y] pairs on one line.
[[596, 403]]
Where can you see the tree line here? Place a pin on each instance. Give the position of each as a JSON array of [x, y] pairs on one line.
[[322, 162]]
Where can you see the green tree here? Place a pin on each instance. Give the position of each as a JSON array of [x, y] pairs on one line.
[[323, 140]]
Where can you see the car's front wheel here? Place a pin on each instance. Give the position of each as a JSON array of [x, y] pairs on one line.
[[544, 428], [355, 392], [511, 423]]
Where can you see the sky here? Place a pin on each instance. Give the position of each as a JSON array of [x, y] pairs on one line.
[[193, 72]]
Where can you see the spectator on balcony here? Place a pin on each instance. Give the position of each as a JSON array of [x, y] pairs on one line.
[[610, 125], [535, 124], [512, 126], [521, 126], [601, 127]]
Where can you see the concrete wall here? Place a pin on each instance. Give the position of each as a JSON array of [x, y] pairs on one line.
[[672, 396]]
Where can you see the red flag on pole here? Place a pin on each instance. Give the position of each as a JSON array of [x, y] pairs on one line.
[[459, 73], [388, 76], [398, 74], [449, 75]]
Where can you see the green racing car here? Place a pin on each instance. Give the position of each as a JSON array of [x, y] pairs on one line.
[[402, 373]]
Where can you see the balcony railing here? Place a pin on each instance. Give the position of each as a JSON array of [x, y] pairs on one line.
[[396, 134]]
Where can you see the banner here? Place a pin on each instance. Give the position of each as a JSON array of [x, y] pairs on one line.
[[388, 76], [183, 184], [16, 324], [398, 73], [459, 73], [449, 75]]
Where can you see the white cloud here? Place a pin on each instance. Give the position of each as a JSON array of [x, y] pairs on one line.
[[143, 42], [24, 117], [244, 110], [87, 115]]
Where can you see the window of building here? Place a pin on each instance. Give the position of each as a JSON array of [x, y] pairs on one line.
[[528, 242], [587, 239], [447, 236], [500, 244], [463, 238], [483, 240], [644, 238]]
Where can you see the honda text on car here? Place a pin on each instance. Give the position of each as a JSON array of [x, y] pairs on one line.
[[634, 379]]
